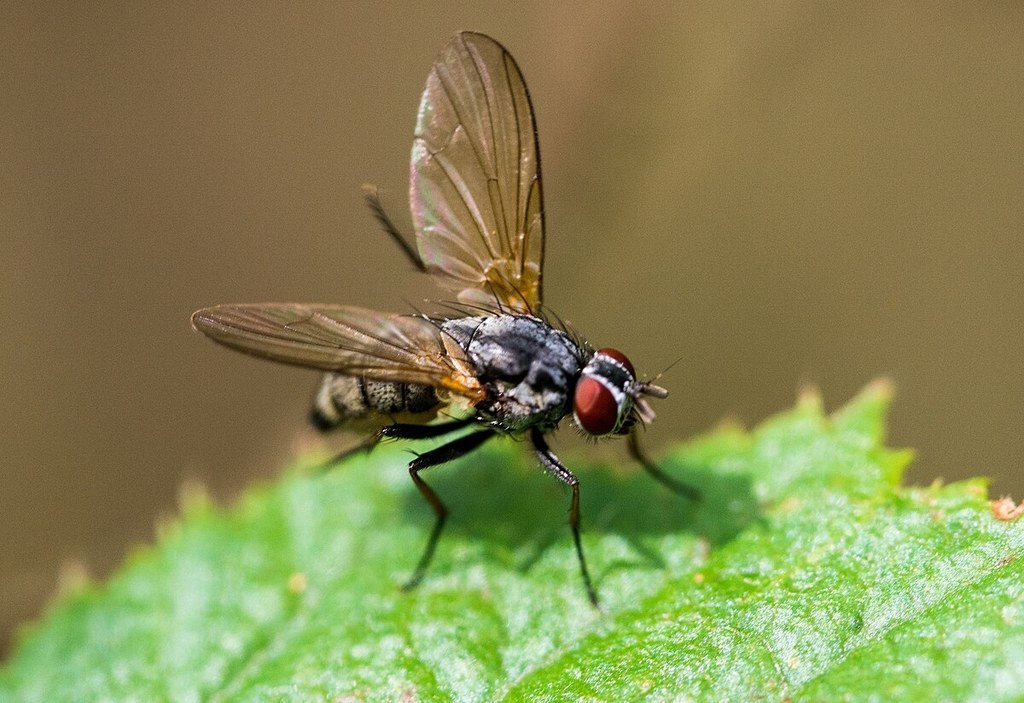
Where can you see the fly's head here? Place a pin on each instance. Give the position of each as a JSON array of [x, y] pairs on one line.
[[608, 398]]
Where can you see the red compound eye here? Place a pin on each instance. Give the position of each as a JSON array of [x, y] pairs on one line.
[[594, 406], [619, 357]]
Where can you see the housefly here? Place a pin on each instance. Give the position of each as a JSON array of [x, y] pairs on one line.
[[496, 363]]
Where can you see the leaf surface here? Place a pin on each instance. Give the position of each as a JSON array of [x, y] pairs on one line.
[[806, 572]]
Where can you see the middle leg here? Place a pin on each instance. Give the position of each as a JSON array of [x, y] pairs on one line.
[[441, 455], [400, 430]]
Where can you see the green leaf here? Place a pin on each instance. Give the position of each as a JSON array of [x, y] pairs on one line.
[[805, 572]]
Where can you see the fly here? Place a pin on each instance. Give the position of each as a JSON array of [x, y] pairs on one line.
[[496, 361]]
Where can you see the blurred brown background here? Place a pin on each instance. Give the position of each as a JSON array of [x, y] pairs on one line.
[[780, 193]]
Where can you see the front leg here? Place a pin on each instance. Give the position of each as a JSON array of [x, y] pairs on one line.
[[683, 489], [553, 466]]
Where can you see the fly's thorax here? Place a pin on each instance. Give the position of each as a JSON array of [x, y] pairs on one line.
[[527, 367], [606, 393]]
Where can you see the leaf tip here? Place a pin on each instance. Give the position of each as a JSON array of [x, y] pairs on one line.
[[72, 578], [866, 412], [880, 389], [193, 497], [729, 423], [809, 398]]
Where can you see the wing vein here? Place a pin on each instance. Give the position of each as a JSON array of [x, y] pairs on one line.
[[478, 219], [475, 190]]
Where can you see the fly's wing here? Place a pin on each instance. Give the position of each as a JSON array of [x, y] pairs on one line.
[[344, 339], [475, 188]]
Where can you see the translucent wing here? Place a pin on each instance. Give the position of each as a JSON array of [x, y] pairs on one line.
[[345, 339], [475, 188]]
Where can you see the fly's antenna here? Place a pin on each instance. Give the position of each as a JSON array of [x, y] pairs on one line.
[[653, 389], [663, 372], [371, 196]]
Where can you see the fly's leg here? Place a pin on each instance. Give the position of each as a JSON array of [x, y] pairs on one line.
[[372, 197], [553, 466], [411, 431], [441, 455], [395, 431], [683, 489], [365, 446]]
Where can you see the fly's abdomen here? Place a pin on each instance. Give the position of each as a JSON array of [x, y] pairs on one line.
[[340, 399]]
